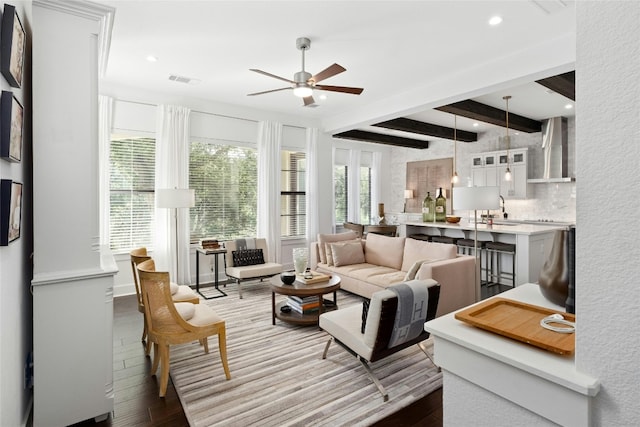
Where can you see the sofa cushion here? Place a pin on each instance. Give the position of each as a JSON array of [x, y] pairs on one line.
[[329, 238], [247, 257], [416, 250], [385, 250], [347, 253]]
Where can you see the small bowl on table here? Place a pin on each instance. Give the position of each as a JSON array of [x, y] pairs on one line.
[[453, 219], [288, 277]]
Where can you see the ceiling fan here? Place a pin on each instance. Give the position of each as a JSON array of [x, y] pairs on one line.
[[304, 83]]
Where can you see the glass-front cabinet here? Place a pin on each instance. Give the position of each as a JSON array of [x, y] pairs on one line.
[[489, 169]]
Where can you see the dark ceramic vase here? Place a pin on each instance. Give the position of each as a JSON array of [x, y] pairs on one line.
[[554, 276]]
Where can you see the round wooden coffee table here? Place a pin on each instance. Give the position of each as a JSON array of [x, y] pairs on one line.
[[301, 290]]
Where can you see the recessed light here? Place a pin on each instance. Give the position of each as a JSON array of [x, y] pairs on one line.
[[152, 58], [568, 106], [323, 97], [495, 20], [476, 124]]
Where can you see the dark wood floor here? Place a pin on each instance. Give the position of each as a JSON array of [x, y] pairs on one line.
[[136, 392]]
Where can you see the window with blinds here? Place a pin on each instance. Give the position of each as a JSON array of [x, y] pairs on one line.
[[340, 193], [293, 194], [132, 177], [224, 178], [365, 195]]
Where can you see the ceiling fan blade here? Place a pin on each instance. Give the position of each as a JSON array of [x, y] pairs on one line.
[[308, 100], [344, 89], [271, 75], [269, 91], [330, 71]]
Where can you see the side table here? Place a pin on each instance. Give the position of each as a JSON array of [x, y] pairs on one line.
[[302, 290], [215, 253]]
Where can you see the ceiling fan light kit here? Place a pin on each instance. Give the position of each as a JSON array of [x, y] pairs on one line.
[[304, 83]]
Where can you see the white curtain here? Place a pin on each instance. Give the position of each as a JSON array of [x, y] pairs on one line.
[[376, 183], [311, 189], [172, 171], [269, 142], [353, 207], [105, 120]]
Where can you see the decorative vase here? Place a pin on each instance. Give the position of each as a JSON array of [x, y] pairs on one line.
[[300, 259], [554, 276]]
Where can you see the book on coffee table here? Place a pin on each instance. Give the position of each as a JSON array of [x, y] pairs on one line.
[[316, 278]]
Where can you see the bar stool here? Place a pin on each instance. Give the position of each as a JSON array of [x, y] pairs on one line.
[[444, 239], [466, 246], [423, 237], [499, 248]]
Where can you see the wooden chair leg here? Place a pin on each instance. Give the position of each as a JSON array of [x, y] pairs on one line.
[[205, 343], [164, 375], [222, 345], [156, 358], [144, 331]]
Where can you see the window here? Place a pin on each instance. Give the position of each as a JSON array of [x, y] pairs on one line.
[[365, 195], [132, 176], [341, 198], [224, 178], [292, 194]]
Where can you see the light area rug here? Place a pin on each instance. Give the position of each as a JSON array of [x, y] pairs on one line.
[[278, 376]]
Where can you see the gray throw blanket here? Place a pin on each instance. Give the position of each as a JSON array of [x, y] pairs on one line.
[[246, 243], [411, 313]]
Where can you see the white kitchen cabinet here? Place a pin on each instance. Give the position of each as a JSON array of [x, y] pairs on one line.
[[488, 169]]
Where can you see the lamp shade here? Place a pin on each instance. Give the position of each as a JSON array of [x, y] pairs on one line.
[[476, 198], [175, 198], [408, 194]]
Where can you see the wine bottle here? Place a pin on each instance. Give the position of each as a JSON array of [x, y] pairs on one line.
[[428, 209], [441, 207]]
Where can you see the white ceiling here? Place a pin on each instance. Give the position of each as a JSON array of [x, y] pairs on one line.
[[387, 47]]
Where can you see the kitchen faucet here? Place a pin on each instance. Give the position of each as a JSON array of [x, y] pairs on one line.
[[504, 214]]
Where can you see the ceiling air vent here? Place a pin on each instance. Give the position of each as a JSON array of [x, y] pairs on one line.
[[183, 79]]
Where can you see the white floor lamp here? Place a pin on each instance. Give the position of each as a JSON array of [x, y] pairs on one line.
[[175, 198], [476, 198]]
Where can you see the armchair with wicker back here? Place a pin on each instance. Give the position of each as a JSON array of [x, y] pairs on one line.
[[179, 293], [169, 323]]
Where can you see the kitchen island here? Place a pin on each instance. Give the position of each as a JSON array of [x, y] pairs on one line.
[[533, 242]]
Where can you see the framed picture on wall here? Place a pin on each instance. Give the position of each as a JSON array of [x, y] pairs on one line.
[[11, 125], [12, 46], [10, 211]]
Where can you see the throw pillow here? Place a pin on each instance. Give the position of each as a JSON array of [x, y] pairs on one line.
[[328, 238], [247, 257], [328, 254], [411, 274], [347, 253], [365, 312]]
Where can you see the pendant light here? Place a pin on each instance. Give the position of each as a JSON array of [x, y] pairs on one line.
[[507, 173], [454, 178]]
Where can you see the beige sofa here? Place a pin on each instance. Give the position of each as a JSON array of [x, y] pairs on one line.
[[372, 264]]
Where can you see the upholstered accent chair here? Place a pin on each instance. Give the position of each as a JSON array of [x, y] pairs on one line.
[[253, 267], [179, 293], [170, 323], [369, 334]]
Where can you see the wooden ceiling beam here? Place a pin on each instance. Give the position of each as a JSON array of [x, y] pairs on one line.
[[485, 113], [414, 126], [380, 138], [564, 84]]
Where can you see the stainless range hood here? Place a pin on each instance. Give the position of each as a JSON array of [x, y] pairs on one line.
[[555, 148]]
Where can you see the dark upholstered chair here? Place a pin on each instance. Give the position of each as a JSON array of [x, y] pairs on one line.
[[344, 326]]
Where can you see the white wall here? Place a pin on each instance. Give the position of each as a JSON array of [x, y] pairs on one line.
[[607, 268], [15, 263]]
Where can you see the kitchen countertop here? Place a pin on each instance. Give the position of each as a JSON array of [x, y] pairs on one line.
[[503, 227]]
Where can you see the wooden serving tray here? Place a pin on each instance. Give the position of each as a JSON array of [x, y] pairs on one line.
[[519, 321]]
